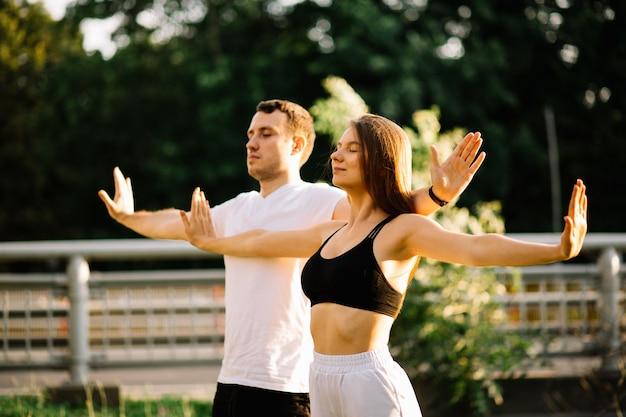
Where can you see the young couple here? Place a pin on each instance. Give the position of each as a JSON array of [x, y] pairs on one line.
[[362, 245]]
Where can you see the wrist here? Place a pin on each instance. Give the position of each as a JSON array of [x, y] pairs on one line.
[[558, 254], [122, 218], [204, 243], [437, 198]]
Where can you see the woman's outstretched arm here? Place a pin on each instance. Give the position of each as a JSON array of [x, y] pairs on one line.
[[426, 238], [255, 243]]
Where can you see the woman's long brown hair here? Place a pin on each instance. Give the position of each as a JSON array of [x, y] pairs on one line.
[[386, 163]]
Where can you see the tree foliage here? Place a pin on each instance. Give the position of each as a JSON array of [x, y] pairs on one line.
[[172, 105]]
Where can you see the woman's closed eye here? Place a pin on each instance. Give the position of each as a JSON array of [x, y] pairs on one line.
[[351, 147]]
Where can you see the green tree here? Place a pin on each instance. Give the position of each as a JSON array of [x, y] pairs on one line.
[[171, 107], [32, 46]]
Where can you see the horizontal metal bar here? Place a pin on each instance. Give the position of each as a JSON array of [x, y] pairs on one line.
[[199, 276], [152, 277], [101, 364], [554, 269], [33, 279], [103, 249], [155, 363], [111, 249]]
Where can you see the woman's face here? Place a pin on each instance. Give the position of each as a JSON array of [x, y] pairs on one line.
[[346, 161]]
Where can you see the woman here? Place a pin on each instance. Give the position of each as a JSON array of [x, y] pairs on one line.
[[358, 271]]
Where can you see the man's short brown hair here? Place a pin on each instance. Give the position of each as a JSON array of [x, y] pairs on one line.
[[299, 122]]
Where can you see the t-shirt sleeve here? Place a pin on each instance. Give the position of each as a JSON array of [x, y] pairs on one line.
[[324, 198], [221, 215]]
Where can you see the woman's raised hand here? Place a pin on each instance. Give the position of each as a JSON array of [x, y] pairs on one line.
[[198, 224], [575, 222]]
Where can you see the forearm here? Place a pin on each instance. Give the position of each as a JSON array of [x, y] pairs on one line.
[[269, 244], [249, 244], [499, 250], [162, 224]]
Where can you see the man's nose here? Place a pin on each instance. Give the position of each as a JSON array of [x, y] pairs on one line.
[[252, 143]]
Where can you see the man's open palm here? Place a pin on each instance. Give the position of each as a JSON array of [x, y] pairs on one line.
[[122, 203]]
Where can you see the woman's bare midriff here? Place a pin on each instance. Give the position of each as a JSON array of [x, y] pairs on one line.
[[341, 330]]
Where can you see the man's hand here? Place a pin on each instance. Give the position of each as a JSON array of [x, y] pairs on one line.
[[450, 178], [575, 222], [122, 204], [199, 224]]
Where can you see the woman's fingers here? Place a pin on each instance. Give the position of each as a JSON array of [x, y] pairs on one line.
[[460, 148], [583, 194], [477, 163], [192, 206], [195, 211], [468, 146], [571, 209], [200, 220], [204, 206], [185, 220]]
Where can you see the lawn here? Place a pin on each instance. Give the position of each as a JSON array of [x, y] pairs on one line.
[[37, 406]]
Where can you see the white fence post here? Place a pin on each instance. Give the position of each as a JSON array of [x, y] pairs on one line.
[[78, 286], [609, 266]]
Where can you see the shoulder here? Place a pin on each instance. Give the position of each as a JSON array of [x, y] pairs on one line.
[[326, 229], [241, 199], [410, 218], [411, 224], [400, 238], [322, 190], [221, 211]]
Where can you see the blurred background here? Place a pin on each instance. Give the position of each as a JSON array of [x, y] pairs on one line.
[[165, 89]]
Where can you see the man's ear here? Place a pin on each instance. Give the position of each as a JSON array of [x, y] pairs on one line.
[[298, 144]]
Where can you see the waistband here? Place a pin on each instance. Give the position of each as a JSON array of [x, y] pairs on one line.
[[351, 363]]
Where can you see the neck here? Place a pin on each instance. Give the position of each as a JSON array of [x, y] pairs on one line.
[[269, 185], [362, 207]]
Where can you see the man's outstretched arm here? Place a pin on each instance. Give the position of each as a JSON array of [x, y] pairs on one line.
[[450, 178], [162, 224]]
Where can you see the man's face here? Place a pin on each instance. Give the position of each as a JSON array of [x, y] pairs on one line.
[[269, 145]]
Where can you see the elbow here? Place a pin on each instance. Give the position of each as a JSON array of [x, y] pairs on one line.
[[480, 254], [474, 260]]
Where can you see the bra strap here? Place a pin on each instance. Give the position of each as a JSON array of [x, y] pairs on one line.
[[372, 235], [328, 238]]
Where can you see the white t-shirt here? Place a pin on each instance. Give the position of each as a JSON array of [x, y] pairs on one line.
[[268, 342]]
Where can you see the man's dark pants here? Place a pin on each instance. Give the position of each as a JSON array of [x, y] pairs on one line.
[[233, 400]]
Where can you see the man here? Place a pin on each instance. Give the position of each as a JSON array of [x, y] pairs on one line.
[[268, 346]]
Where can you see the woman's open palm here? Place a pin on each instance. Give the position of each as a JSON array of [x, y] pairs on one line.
[[575, 222], [199, 224]]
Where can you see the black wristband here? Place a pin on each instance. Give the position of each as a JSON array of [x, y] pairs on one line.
[[436, 199]]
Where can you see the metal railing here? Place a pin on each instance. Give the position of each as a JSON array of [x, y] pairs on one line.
[[79, 319]]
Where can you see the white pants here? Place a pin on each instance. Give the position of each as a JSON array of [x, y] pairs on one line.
[[368, 384]]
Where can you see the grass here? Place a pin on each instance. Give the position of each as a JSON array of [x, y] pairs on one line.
[[37, 406]]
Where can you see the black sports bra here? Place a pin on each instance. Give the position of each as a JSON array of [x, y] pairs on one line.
[[352, 279]]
